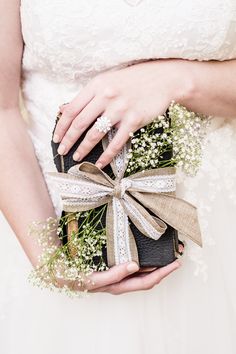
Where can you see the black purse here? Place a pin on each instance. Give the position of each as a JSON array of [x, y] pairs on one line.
[[151, 253]]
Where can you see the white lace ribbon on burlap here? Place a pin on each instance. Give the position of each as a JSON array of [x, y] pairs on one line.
[[85, 187]]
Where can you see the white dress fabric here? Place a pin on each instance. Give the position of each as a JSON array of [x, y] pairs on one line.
[[193, 310]]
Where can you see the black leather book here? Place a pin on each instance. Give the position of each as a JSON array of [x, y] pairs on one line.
[[151, 253]]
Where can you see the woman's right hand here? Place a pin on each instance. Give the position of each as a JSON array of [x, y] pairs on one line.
[[124, 278]]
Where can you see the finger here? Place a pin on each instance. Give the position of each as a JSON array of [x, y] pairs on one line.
[[63, 106], [181, 246], [92, 138], [142, 281], [121, 137], [113, 275], [80, 123], [70, 111], [61, 109]]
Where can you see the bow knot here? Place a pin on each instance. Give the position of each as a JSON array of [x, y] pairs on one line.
[[120, 187]]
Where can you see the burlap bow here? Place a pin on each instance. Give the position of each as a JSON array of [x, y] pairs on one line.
[[85, 187]]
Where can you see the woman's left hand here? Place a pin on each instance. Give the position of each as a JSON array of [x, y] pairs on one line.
[[131, 98]]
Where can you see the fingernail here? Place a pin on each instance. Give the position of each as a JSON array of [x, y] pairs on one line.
[[76, 156], [132, 267], [63, 105], [61, 149], [56, 138], [99, 164]]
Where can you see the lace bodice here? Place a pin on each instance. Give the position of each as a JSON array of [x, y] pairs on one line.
[[73, 39]]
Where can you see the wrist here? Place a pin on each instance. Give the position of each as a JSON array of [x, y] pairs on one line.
[[185, 89]]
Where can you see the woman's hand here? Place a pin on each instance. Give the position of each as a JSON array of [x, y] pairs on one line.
[[144, 280], [134, 96], [131, 98], [123, 278]]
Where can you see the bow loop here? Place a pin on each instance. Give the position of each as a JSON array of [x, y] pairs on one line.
[[91, 172]]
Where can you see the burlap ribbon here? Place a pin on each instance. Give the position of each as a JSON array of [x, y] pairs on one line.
[[85, 187]]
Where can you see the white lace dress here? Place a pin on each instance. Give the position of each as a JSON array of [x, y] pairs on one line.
[[193, 310]]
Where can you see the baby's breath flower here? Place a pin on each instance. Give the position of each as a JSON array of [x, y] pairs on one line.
[[57, 263], [173, 139], [188, 131]]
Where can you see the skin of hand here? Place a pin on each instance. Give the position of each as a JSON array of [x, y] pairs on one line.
[[124, 278], [132, 97], [126, 97], [145, 280]]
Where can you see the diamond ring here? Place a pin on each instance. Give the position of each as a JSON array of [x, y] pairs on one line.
[[103, 124]]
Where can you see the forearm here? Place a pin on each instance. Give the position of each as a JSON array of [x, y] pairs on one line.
[[210, 88], [23, 192]]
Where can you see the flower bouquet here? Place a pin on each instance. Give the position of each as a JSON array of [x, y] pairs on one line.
[[127, 211]]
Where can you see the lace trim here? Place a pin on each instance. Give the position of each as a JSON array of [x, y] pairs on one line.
[[136, 215], [158, 184], [121, 229], [119, 162], [84, 190]]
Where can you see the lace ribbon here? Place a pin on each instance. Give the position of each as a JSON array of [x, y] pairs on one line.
[[85, 187]]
